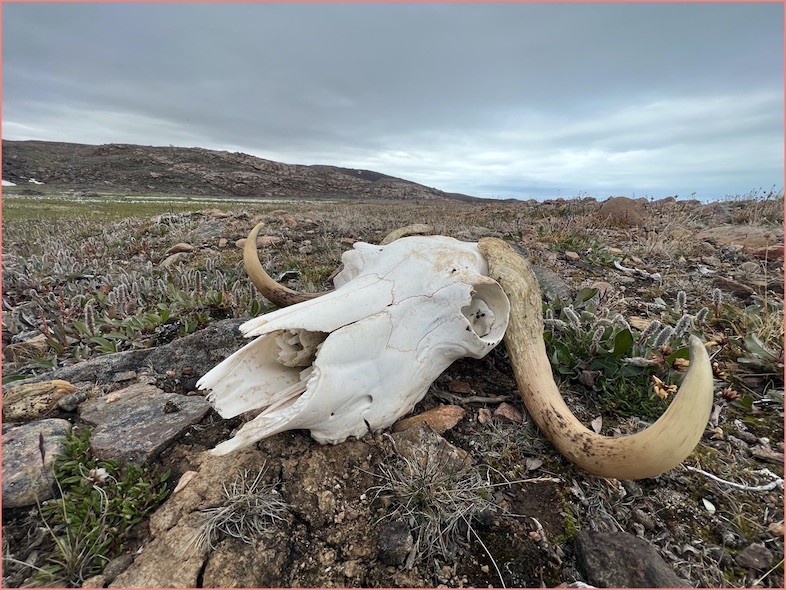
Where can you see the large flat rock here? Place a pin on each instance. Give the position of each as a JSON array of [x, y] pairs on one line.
[[138, 422]]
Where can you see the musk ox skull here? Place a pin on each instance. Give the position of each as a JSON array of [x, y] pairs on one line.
[[359, 357]]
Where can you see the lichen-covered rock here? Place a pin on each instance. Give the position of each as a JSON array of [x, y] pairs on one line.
[[30, 401], [29, 453]]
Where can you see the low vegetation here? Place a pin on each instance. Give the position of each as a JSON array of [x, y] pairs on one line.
[[88, 275]]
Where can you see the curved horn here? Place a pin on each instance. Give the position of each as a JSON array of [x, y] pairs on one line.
[[283, 296], [278, 294], [650, 452], [416, 229]]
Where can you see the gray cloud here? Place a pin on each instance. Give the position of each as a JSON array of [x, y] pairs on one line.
[[493, 100]]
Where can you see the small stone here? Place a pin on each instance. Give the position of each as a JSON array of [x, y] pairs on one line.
[[622, 212], [394, 542], [643, 519], [736, 288], [756, 557], [484, 416], [570, 255], [180, 247], [184, 480], [622, 560], [222, 242], [616, 251], [508, 412], [640, 324], [28, 476], [71, 402], [289, 220], [457, 386], [441, 419], [98, 581]]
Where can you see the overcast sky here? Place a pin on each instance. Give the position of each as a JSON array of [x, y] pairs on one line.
[[521, 100]]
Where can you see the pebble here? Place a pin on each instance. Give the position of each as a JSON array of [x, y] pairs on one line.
[[505, 410], [394, 542], [570, 255], [180, 247], [70, 403], [441, 419], [755, 556]]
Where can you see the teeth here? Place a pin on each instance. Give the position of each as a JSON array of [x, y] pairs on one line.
[[290, 394], [298, 348]]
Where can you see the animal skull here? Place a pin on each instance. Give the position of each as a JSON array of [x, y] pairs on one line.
[[361, 356]]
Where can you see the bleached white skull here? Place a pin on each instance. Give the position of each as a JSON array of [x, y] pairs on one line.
[[360, 357], [356, 359]]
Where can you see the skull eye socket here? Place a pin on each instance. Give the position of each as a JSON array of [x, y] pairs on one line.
[[487, 312]]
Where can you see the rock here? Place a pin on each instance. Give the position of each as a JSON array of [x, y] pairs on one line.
[[573, 256], [29, 401], [605, 290], [459, 386], [750, 237], [222, 242], [508, 412], [622, 560], [201, 350], [756, 557], [395, 542], [622, 212], [27, 350], [207, 232], [71, 402], [234, 564], [766, 454], [170, 260], [180, 247], [429, 449], [734, 287], [27, 476], [441, 419], [132, 423], [289, 220], [769, 252]]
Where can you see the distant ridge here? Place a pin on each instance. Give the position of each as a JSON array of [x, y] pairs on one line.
[[197, 171]]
